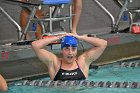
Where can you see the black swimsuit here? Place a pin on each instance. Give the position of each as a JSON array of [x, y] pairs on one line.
[[75, 74]]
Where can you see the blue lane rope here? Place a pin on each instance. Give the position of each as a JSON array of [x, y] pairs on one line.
[[83, 83]]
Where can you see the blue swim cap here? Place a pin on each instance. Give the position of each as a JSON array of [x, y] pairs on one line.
[[68, 41]]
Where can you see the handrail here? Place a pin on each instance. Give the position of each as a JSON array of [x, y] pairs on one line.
[[106, 11], [115, 25], [13, 21]]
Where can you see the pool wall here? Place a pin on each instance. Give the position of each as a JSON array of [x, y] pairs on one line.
[[33, 67]]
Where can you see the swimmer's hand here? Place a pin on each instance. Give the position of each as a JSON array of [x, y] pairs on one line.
[[79, 37]]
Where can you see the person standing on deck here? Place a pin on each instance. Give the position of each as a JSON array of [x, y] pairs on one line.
[[69, 67], [76, 9]]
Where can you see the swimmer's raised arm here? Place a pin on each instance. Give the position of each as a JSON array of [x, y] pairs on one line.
[[95, 52]]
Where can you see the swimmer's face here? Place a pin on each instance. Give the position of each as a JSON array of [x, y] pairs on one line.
[[69, 53]]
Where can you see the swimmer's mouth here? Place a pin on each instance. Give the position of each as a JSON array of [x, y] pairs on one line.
[[70, 57]]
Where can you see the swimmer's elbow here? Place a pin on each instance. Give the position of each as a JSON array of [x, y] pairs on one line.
[[34, 45], [4, 88], [104, 44]]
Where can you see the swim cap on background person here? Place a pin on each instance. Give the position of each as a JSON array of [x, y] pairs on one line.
[[69, 41]]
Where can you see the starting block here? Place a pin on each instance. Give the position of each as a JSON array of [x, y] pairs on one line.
[[135, 28], [52, 2]]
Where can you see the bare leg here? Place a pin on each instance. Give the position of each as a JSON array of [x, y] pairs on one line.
[[23, 20], [77, 8], [38, 33]]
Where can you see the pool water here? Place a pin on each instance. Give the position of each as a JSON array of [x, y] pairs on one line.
[[105, 73]]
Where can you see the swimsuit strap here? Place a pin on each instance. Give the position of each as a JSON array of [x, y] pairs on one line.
[[77, 64], [60, 64]]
